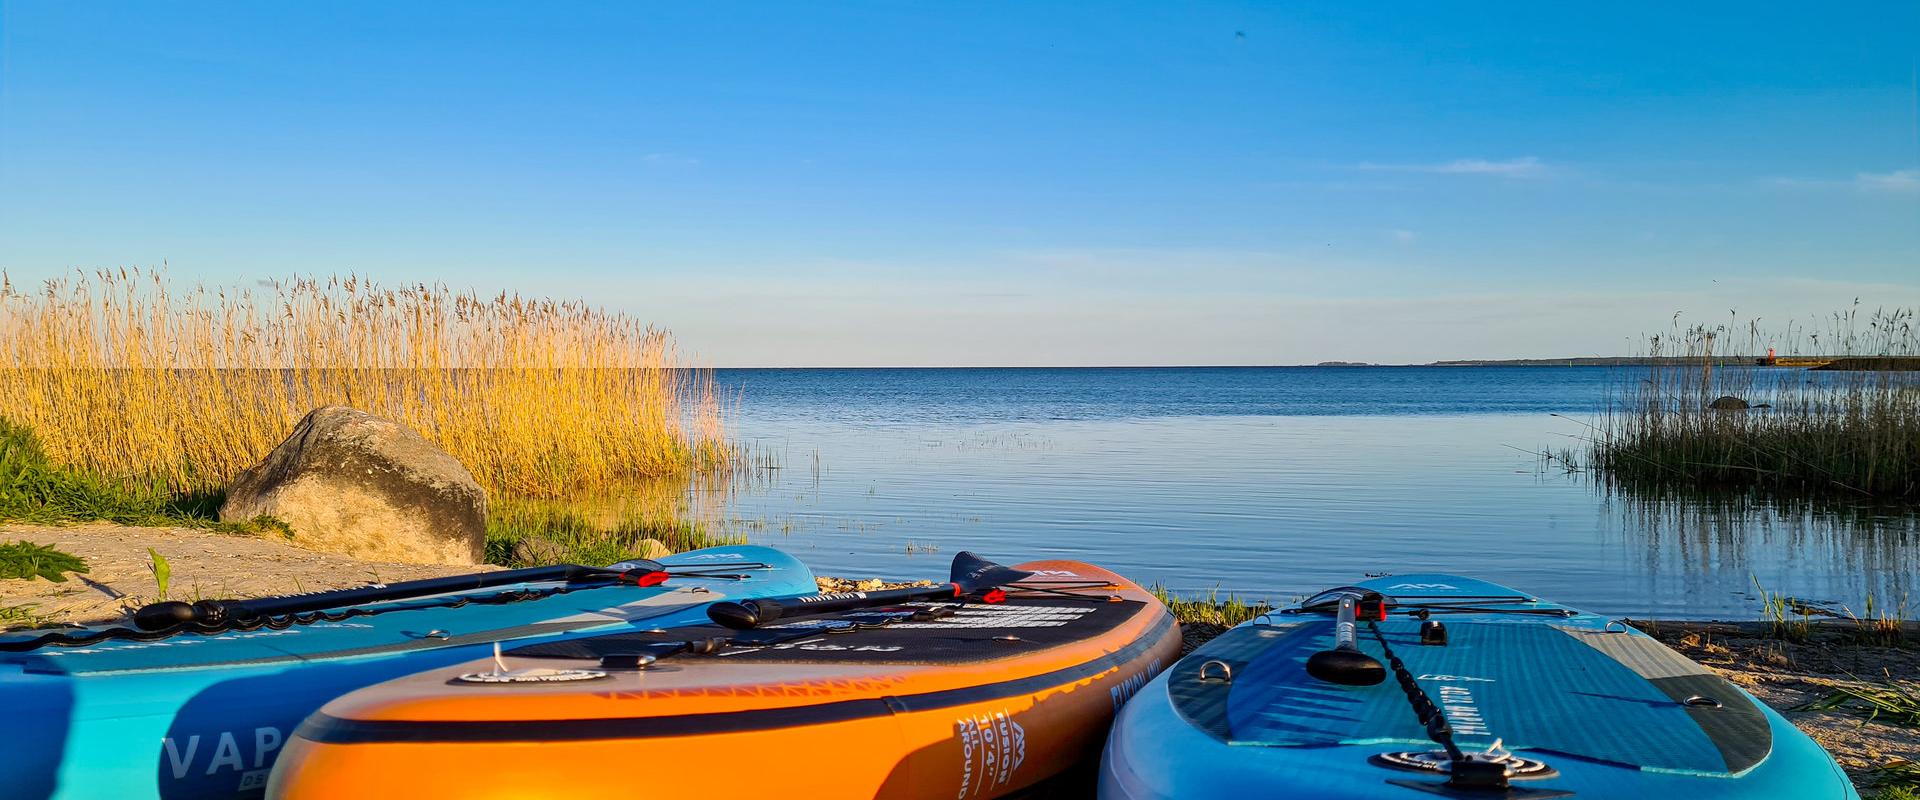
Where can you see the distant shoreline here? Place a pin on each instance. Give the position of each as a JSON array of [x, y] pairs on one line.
[[1594, 361], [1586, 361]]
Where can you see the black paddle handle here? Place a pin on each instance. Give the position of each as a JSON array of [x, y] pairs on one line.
[[158, 616], [751, 613]]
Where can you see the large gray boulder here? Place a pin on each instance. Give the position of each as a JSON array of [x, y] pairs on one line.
[[351, 483]]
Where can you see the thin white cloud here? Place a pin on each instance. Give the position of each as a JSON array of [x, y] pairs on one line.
[[1404, 236], [670, 160], [1899, 180], [1525, 167]]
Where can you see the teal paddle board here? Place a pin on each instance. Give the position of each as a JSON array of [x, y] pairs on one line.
[[202, 715]]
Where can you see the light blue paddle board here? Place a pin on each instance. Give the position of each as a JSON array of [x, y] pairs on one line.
[[202, 716]]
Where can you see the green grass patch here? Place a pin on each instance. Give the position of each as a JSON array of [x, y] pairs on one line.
[[24, 559], [1787, 619], [523, 533], [1896, 780], [35, 489], [1213, 609], [20, 617], [1907, 791], [1891, 702]]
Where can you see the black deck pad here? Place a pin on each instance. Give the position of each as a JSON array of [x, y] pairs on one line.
[[972, 633]]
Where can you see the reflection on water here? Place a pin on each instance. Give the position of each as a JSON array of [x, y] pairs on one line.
[[1833, 554], [1234, 494]]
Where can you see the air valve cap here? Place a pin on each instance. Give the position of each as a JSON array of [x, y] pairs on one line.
[[1433, 632]]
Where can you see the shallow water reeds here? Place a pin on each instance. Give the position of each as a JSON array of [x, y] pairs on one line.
[[1853, 434], [124, 376]]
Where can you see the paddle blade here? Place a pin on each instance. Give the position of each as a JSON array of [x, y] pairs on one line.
[[738, 616], [972, 573], [163, 615], [1346, 667]]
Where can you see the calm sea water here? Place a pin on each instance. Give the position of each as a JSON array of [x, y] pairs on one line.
[[1270, 482]]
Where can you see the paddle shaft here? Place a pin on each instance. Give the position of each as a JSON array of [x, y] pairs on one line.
[[1345, 637], [160, 615], [273, 606]]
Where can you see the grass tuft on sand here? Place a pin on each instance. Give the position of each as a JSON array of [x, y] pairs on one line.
[[1892, 702], [22, 617], [1213, 609], [24, 559]]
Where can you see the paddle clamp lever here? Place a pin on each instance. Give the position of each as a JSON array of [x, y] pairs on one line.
[[1345, 664], [1479, 775]]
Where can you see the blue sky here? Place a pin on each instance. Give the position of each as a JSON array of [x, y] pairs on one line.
[[965, 183]]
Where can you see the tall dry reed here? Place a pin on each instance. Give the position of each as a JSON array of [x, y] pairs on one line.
[[1841, 433], [123, 374]]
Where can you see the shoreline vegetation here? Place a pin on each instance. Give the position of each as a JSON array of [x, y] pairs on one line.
[[130, 400]]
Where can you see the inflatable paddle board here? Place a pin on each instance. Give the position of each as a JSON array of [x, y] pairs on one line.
[[955, 697], [144, 714], [1424, 686]]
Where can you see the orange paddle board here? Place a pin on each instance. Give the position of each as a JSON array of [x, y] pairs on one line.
[[928, 700]]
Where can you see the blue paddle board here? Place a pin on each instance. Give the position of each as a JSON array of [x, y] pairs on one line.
[[1559, 702]]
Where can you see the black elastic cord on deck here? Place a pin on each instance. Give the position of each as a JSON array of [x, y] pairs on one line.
[[707, 572], [1451, 609], [775, 635], [1429, 714], [1064, 589]]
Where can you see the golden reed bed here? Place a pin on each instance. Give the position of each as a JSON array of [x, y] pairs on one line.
[[124, 375]]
